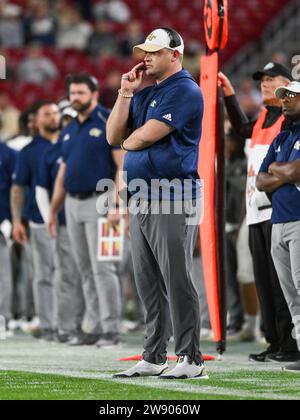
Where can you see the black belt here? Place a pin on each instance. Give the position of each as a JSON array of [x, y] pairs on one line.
[[85, 196]]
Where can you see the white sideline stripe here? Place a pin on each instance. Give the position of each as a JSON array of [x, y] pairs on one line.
[[171, 385]]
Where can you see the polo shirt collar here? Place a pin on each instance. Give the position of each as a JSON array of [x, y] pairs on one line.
[[40, 138], [179, 75], [91, 117], [293, 125]]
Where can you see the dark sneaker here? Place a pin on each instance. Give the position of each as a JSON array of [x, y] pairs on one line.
[[47, 335], [108, 340], [84, 340], [294, 368], [284, 357], [64, 337], [261, 357]]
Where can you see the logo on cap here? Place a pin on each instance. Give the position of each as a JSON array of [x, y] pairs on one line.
[[269, 66], [151, 37]]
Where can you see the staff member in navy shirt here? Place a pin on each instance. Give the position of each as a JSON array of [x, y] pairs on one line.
[[7, 167], [280, 177], [47, 124], [160, 127], [87, 159], [68, 289]]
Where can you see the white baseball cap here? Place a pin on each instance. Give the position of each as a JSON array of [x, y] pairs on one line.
[[69, 111], [161, 38], [291, 87]]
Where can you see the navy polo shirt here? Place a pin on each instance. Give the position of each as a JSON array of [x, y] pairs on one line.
[[7, 167], [26, 174], [86, 153], [178, 102], [48, 169], [286, 199]]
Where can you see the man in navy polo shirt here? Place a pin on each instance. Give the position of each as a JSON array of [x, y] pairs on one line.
[[280, 177], [68, 289], [160, 127], [88, 159], [47, 124], [7, 167]]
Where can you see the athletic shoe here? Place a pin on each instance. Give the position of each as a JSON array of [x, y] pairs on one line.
[[108, 340], [294, 368], [186, 369], [63, 337], [47, 335], [233, 335], [284, 357], [143, 368], [261, 357], [84, 340]]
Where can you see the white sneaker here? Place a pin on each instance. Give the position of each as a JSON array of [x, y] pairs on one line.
[[186, 370], [142, 368]]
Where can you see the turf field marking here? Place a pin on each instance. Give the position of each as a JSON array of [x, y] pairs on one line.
[[170, 385]]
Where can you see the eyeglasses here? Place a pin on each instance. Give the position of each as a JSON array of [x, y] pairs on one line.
[[290, 95]]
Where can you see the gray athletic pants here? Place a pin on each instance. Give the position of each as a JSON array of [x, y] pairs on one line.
[[44, 272], [100, 282], [162, 252], [198, 280], [68, 288], [5, 279], [286, 256]]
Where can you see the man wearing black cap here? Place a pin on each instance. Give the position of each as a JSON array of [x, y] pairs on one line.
[[275, 314]]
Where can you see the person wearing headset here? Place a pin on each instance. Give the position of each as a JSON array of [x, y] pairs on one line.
[[160, 128]]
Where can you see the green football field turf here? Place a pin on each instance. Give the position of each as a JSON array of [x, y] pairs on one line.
[[31, 369]]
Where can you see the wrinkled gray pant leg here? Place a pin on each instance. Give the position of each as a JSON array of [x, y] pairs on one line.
[[5, 280], [286, 256]]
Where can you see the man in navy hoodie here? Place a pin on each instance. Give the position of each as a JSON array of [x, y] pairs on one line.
[[160, 128]]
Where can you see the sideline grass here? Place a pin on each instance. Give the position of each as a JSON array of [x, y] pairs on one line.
[[30, 369]]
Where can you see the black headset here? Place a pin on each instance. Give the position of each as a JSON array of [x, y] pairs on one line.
[[175, 40]]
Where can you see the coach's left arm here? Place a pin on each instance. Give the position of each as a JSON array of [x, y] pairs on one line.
[[289, 170], [151, 132]]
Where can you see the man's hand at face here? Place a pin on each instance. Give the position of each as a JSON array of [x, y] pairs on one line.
[[132, 80]]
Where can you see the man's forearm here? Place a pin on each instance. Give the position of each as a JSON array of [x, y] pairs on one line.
[[151, 132], [268, 183], [116, 127], [136, 141], [17, 202], [59, 192], [237, 117], [58, 198], [289, 171]]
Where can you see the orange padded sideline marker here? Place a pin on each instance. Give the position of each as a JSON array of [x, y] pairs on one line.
[[211, 167]]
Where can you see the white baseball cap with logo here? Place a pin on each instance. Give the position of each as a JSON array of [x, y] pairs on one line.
[[159, 39], [293, 87]]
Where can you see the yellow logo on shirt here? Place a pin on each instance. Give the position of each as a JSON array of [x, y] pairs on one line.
[[95, 132]]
